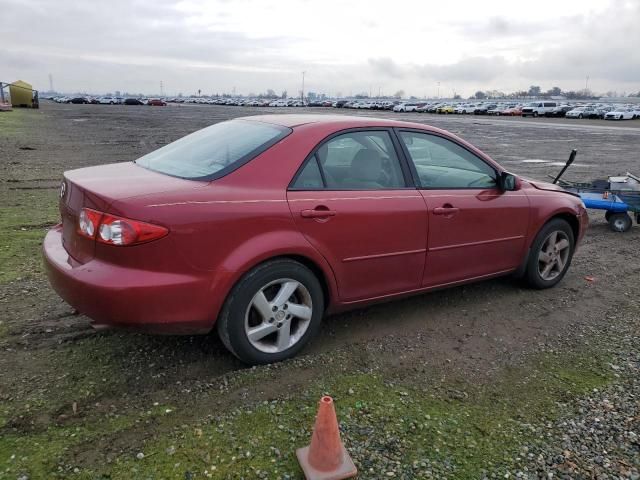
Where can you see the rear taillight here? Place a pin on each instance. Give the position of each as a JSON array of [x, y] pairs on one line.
[[113, 230], [88, 222]]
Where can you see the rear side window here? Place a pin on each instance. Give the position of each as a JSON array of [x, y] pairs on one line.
[[310, 177], [214, 151], [361, 160]]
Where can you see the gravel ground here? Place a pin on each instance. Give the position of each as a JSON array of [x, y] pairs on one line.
[[601, 440]]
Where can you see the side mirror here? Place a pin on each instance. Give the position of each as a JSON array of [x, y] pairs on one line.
[[508, 182]]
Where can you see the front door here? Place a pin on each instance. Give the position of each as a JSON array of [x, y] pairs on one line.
[[351, 202], [475, 229]]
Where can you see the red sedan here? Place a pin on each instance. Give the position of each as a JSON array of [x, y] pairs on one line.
[[259, 226]]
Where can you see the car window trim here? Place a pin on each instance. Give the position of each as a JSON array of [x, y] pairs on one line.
[[414, 171], [406, 172]]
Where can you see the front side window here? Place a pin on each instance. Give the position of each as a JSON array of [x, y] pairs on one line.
[[441, 163], [214, 151], [363, 160]]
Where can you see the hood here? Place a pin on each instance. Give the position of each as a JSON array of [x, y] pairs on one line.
[[548, 186]]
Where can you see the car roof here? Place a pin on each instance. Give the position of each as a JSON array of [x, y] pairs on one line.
[[337, 121]]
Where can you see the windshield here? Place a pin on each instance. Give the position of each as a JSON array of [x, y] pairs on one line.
[[214, 151]]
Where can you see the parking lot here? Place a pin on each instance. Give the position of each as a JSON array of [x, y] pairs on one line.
[[484, 374]]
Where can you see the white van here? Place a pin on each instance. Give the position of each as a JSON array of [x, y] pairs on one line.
[[536, 109]]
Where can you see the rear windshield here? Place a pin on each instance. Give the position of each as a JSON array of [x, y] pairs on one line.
[[214, 151]]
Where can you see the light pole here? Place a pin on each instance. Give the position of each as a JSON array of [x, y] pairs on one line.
[[302, 91], [438, 90]]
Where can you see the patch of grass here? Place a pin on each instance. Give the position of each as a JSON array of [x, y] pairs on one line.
[[482, 429], [467, 426], [23, 222], [12, 123]]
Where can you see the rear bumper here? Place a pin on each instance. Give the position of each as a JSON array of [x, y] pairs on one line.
[[116, 296]]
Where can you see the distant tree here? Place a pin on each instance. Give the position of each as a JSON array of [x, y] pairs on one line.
[[399, 94], [554, 92], [284, 94], [534, 91], [585, 93], [457, 96], [271, 93], [495, 94], [480, 95]]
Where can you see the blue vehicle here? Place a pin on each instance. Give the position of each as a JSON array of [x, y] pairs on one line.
[[619, 197]]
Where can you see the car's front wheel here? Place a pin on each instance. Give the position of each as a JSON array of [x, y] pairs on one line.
[[550, 254], [272, 312]]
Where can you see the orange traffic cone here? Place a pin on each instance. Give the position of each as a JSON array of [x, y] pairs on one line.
[[326, 458]]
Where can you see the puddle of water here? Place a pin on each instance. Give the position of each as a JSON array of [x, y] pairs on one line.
[[79, 119], [535, 160], [562, 164]]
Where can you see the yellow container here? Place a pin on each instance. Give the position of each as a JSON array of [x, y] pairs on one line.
[[21, 94]]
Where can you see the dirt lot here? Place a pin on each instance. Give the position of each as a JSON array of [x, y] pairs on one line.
[[452, 384]]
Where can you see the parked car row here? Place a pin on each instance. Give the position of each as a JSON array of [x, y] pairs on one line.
[[110, 100], [242, 102], [541, 108]]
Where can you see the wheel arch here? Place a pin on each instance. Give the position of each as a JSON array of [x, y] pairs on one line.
[[568, 217], [257, 252]]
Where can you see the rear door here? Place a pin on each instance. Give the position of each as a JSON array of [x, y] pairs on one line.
[[352, 202], [475, 229]]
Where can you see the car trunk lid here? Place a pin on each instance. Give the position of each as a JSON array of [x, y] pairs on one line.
[[97, 188]]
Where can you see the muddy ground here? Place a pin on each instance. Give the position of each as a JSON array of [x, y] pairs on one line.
[[74, 401]]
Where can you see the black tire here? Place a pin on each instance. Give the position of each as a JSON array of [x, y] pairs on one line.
[[620, 222], [535, 114], [607, 215], [231, 322], [581, 116], [532, 274]]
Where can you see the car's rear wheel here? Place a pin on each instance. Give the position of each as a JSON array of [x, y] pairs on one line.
[[620, 222], [550, 254], [272, 312]]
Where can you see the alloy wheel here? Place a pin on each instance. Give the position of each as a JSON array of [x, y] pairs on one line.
[[278, 316], [553, 255]]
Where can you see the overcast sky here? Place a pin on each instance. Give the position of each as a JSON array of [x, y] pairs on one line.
[[345, 46]]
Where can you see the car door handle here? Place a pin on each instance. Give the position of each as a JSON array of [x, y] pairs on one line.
[[446, 211], [318, 213]]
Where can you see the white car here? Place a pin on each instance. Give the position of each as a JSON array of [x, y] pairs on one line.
[[466, 109], [577, 112], [108, 100], [620, 114], [405, 107], [537, 109], [278, 103]]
